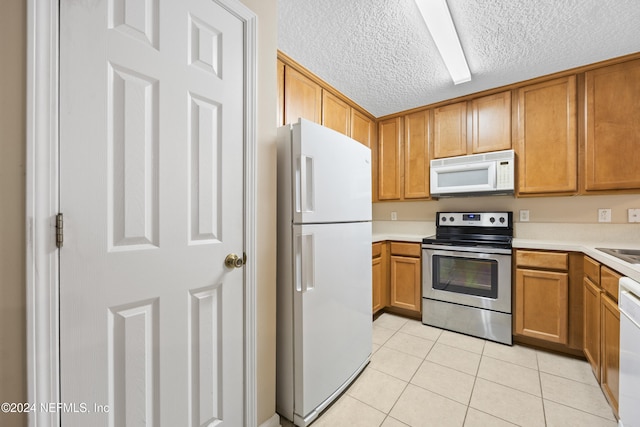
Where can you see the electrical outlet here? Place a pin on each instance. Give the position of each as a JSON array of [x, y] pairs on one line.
[[524, 216], [394, 216], [604, 215], [634, 215]]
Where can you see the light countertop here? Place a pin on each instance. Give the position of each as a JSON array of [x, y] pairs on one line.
[[586, 247]]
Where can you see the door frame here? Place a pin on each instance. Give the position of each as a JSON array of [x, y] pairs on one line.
[[42, 205]]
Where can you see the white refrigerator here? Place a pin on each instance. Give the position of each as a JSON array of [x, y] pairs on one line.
[[324, 322]]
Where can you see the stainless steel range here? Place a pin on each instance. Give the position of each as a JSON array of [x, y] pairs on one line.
[[466, 284]]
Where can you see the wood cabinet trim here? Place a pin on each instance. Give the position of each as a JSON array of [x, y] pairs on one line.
[[592, 270], [542, 259], [609, 282], [406, 249]]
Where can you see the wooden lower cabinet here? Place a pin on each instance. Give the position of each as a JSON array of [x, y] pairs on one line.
[[602, 327], [405, 283], [542, 304], [397, 278], [610, 362], [379, 286], [592, 325]]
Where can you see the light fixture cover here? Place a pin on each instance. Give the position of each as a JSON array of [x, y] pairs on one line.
[[438, 19]]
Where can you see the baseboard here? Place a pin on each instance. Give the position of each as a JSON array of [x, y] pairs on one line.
[[272, 422]]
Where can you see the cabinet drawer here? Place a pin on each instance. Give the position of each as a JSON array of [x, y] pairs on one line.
[[592, 270], [609, 282], [376, 250], [406, 249], [540, 259]]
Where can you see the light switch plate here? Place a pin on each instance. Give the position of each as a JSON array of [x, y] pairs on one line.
[[634, 215], [524, 216], [604, 215], [394, 216]]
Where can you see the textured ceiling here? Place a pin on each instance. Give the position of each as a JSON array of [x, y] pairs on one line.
[[379, 52]]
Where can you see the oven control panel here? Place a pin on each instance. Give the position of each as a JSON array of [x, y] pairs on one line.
[[475, 219]]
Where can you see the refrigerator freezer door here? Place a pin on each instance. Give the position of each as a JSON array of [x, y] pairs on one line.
[[331, 176], [332, 310]]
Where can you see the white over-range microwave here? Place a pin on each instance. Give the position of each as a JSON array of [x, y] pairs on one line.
[[477, 174]]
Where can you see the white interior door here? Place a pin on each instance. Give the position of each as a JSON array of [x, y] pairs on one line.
[[151, 155]]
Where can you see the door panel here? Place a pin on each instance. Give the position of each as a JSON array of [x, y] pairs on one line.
[[151, 137], [332, 176], [332, 308]]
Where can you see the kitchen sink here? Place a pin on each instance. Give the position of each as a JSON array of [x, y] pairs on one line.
[[629, 255]]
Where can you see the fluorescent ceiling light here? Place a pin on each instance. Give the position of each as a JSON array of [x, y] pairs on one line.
[[438, 19]]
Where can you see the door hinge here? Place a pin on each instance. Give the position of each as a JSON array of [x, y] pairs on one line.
[[59, 230]]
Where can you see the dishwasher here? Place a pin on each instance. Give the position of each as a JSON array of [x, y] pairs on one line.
[[629, 399]]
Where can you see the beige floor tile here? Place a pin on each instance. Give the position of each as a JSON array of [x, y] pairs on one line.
[[455, 358], [416, 328], [375, 347], [511, 375], [477, 418], [390, 321], [418, 407], [381, 335], [409, 344], [567, 367], [392, 422], [558, 415], [445, 381], [518, 354], [350, 412], [377, 389], [395, 363], [465, 342], [575, 394], [507, 403]]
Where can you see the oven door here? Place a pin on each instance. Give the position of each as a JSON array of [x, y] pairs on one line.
[[474, 277]]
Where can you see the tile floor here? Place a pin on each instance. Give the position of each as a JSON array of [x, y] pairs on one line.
[[424, 376]]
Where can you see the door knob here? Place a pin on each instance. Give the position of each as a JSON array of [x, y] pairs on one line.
[[234, 261]]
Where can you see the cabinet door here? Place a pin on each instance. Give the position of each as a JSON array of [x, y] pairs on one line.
[[610, 363], [389, 159], [335, 113], [302, 97], [416, 155], [591, 325], [491, 123], [612, 158], [450, 130], [361, 127], [405, 283], [377, 275], [542, 308], [547, 138]]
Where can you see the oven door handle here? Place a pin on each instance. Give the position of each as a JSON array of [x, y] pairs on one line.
[[463, 249]]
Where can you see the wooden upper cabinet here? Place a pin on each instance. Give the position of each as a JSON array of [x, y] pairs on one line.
[[612, 157], [389, 159], [280, 93], [547, 144], [361, 127], [336, 113], [489, 126], [491, 123], [302, 97], [450, 130], [416, 155]]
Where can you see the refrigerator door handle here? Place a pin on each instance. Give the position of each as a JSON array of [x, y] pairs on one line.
[[304, 263], [304, 194]]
